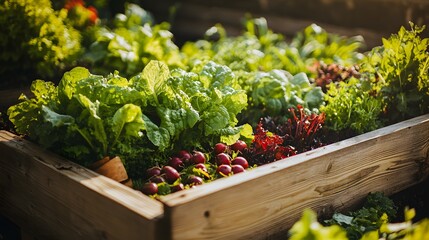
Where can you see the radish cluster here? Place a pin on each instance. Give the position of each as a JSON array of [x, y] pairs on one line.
[[190, 169], [226, 165]]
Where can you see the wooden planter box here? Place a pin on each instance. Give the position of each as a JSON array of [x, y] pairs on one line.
[[191, 18], [53, 198]]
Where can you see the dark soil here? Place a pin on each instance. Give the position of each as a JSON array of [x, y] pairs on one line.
[[416, 197], [5, 124]]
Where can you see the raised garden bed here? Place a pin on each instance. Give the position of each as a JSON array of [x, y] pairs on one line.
[[69, 201], [184, 103]]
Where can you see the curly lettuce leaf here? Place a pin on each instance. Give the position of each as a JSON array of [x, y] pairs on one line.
[[26, 114], [67, 86], [127, 121]]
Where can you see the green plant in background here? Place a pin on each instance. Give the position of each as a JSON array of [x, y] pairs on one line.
[[273, 93], [350, 106], [36, 40], [399, 71], [377, 210], [370, 222], [308, 228], [256, 58], [131, 44], [80, 16], [406, 230], [393, 86], [314, 44], [256, 49], [259, 49]]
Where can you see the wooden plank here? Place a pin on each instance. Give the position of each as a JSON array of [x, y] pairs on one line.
[[193, 17], [202, 18], [353, 14], [8, 97], [266, 201], [52, 198]]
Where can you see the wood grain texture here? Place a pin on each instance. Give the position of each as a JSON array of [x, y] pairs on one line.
[[265, 202], [9, 97], [201, 19], [192, 18], [52, 198]]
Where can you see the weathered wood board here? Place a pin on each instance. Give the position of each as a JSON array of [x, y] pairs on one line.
[[191, 18], [266, 201], [9, 97], [52, 198]]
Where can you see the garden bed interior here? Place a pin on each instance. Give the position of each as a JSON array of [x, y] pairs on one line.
[[70, 202]]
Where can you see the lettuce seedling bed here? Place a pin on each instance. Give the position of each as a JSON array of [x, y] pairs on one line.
[[51, 197]]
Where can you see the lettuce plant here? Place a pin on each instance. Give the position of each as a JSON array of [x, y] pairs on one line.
[[131, 44], [143, 119]]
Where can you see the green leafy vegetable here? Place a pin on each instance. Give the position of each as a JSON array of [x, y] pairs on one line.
[[371, 222], [404, 230], [351, 106], [308, 228], [143, 119], [400, 72], [314, 44], [254, 50], [377, 210], [259, 49], [131, 44], [273, 72], [35, 40], [274, 93]]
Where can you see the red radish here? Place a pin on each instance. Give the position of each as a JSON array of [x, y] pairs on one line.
[[198, 157], [223, 158], [170, 174], [195, 180], [150, 188], [201, 166], [224, 170], [239, 146], [176, 163], [153, 171], [240, 161], [157, 179], [237, 169], [185, 156], [177, 188], [220, 148]]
